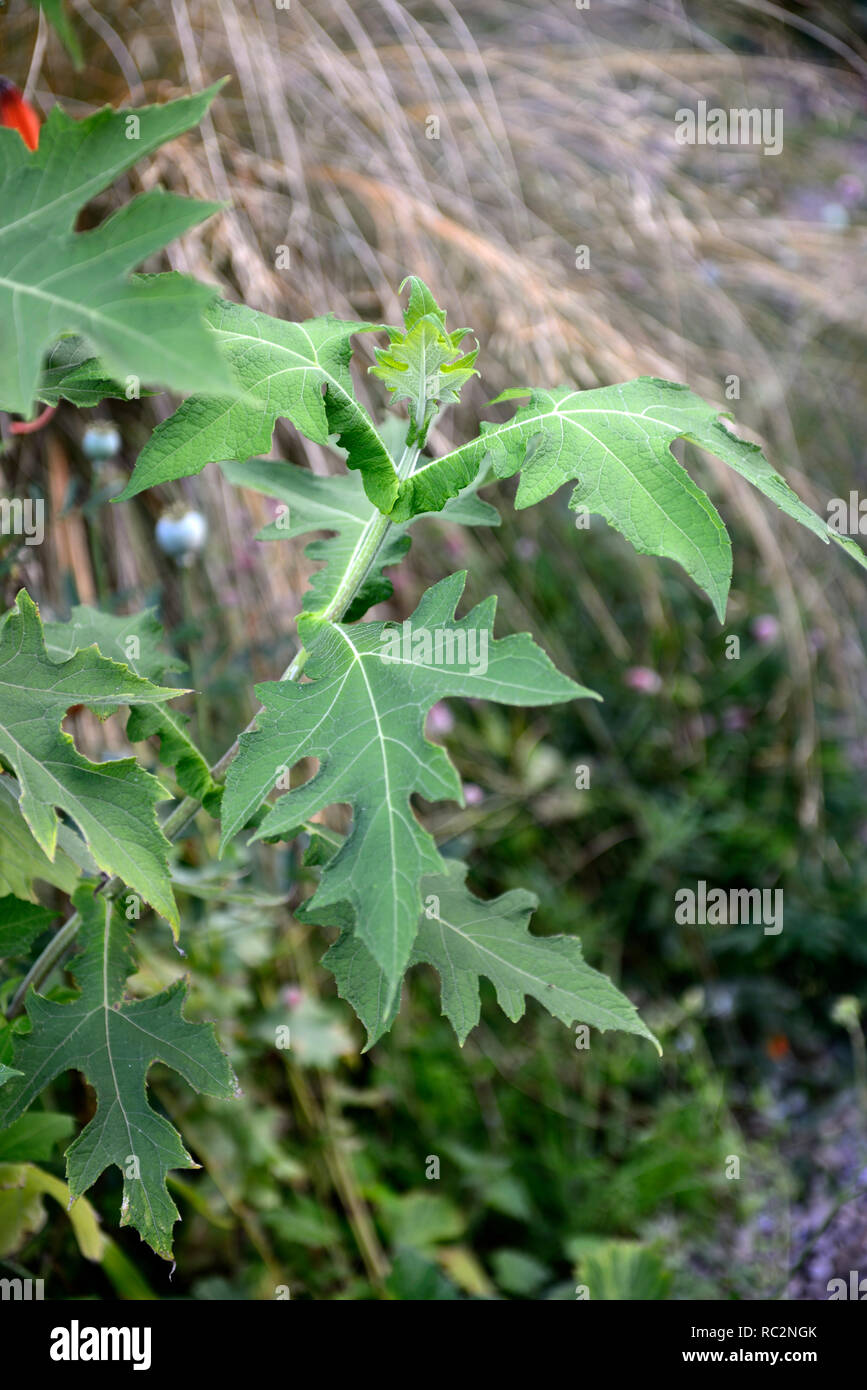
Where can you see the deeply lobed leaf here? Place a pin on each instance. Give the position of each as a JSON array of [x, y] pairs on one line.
[[20, 923], [280, 370], [338, 504], [362, 714], [55, 281], [616, 443], [135, 639], [111, 803], [114, 1041], [465, 938], [23, 862]]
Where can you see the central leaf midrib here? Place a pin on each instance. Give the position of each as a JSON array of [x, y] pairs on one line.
[[391, 810]]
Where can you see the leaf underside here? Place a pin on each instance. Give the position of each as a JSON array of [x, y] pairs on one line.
[[23, 862], [20, 923], [338, 503]]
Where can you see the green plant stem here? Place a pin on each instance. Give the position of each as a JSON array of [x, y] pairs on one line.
[[357, 569]]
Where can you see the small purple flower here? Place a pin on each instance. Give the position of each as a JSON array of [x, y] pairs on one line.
[[473, 794], [644, 679], [765, 629]]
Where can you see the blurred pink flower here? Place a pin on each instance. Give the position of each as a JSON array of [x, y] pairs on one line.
[[643, 679], [440, 720], [473, 794], [765, 628]]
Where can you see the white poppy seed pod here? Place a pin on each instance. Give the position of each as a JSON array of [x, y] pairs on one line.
[[101, 441], [181, 534]]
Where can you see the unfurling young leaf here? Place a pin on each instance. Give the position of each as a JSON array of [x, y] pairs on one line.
[[55, 281], [114, 1041], [362, 714], [111, 803], [423, 365]]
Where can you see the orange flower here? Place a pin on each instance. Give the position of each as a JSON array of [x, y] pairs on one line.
[[18, 114], [777, 1047]]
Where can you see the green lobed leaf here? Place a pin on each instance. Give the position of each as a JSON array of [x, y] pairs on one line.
[[314, 503], [111, 803], [135, 639], [34, 1137], [282, 370], [615, 441], [465, 938], [114, 1041], [54, 280], [362, 714]]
